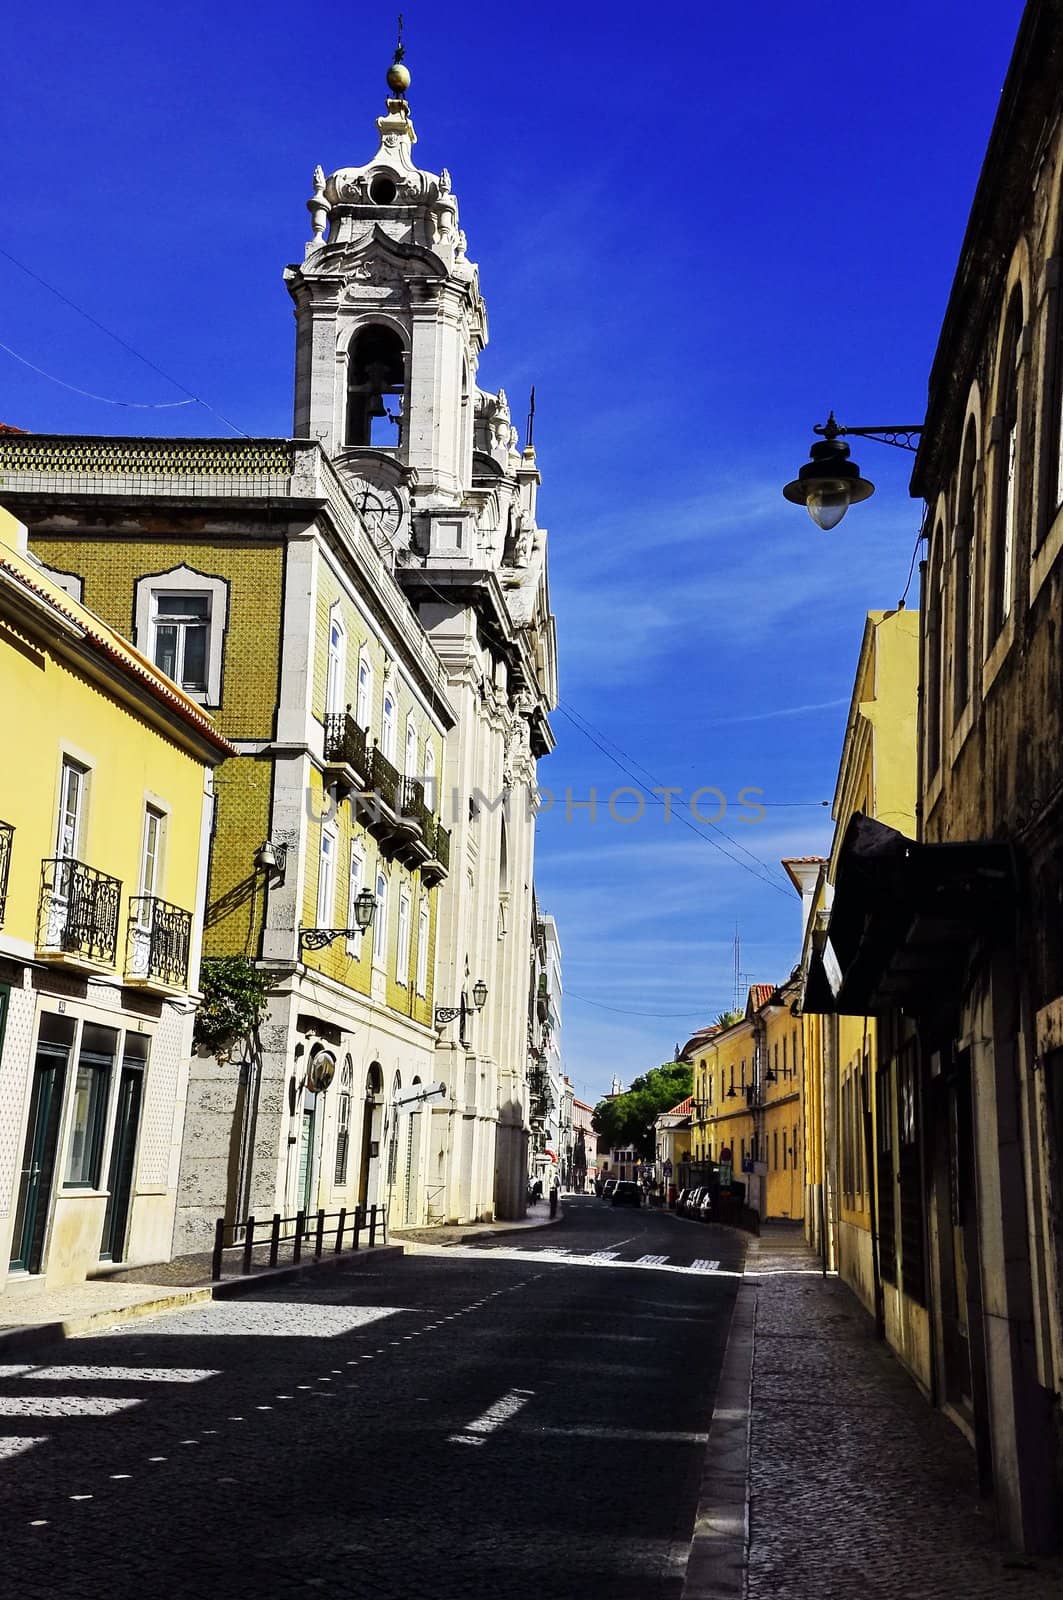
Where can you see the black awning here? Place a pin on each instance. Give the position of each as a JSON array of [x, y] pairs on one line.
[[905, 918]]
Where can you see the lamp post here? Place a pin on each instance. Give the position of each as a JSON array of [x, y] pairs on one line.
[[829, 482]]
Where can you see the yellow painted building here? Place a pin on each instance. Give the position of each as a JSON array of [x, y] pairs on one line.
[[723, 1096], [780, 1104], [855, 1132], [105, 811], [243, 570]]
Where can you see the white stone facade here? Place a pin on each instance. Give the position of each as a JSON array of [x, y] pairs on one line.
[[390, 329]]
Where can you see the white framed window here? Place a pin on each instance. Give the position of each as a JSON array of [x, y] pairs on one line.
[[380, 921], [355, 882], [422, 948], [151, 850], [402, 962], [326, 878], [364, 706], [73, 783], [336, 673], [180, 619], [388, 730], [430, 774], [411, 748]]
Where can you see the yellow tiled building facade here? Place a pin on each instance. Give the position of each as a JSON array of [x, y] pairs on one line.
[[104, 827]]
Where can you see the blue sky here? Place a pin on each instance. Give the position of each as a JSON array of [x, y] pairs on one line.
[[699, 227]]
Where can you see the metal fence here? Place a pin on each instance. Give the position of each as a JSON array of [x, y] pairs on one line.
[[305, 1229]]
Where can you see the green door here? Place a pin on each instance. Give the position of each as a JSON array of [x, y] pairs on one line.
[[123, 1150], [42, 1140], [306, 1160]]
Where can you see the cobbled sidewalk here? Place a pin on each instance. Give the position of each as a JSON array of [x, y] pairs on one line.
[[859, 1489]]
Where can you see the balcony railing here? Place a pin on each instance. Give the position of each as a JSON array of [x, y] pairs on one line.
[[159, 938], [414, 805], [345, 742], [7, 834], [385, 784], [79, 911], [442, 846]]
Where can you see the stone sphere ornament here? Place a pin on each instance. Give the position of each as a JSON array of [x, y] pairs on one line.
[[398, 77]]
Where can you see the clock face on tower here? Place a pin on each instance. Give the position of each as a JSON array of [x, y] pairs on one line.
[[380, 508]]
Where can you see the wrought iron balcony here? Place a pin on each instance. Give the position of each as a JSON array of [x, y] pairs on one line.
[[159, 938], [345, 749], [78, 912], [385, 785], [7, 834], [437, 839], [414, 804]]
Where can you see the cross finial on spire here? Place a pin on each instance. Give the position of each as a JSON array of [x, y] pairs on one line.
[[398, 75]]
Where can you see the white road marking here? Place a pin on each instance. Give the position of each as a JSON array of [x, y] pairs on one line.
[[13, 1372], [701, 1265], [271, 1320], [17, 1443], [604, 1255], [494, 1417], [625, 1435], [63, 1405], [82, 1374], [511, 1253]]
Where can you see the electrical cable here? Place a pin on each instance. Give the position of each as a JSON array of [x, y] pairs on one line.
[[624, 1011], [132, 405], [133, 351], [758, 871]]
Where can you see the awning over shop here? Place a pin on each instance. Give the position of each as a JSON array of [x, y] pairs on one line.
[[904, 919]]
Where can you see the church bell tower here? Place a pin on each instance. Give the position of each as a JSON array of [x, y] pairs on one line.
[[389, 329]]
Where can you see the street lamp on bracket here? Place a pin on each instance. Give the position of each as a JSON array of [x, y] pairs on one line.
[[829, 482], [364, 912], [462, 1010]]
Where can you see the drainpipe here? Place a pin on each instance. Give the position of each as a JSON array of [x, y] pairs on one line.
[[872, 1179]]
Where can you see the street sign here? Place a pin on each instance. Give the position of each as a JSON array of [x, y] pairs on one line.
[[667, 1169]]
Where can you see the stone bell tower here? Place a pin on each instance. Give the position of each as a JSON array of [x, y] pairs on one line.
[[390, 326]]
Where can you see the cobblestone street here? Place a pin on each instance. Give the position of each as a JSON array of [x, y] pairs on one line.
[[858, 1488]]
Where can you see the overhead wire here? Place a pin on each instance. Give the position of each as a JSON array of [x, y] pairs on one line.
[[132, 405], [133, 351]]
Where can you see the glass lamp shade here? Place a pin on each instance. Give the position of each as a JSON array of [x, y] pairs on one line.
[[364, 908], [828, 501], [479, 994]]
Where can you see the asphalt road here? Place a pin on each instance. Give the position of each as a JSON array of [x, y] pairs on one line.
[[506, 1421]]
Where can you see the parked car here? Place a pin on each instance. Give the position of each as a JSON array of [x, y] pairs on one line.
[[607, 1188], [627, 1194], [705, 1206], [694, 1199], [680, 1201]]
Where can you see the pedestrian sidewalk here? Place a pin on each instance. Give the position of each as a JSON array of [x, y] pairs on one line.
[[857, 1487], [461, 1233]]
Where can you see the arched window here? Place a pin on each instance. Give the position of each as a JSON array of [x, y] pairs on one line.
[[411, 748], [430, 775], [1005, 475], [376, 371], [963, 605], [387, 726], [364, 708], [336, 677], [380, 921], [932, 679]]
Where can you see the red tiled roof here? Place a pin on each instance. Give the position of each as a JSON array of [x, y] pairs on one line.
[[760, 994], [683, 1109]]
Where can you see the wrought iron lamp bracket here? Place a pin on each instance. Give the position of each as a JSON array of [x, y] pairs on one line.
[[904, 436], [318, 938]]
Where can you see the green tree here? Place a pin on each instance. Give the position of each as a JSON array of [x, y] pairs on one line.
[[628, 1120], [727, 1019]]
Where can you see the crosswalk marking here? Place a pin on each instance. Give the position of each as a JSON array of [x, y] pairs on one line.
[[78, 1374], [63, 1405], [651, 1261], [604, 1255], [571, 1258], [15, 1444], [701, 1265]]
